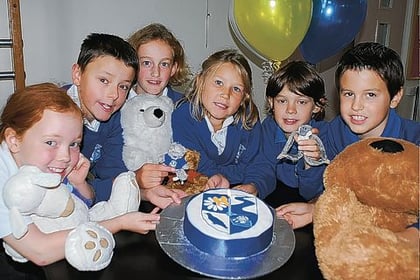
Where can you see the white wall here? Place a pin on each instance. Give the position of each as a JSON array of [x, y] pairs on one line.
[[406, 107], [54, 29]]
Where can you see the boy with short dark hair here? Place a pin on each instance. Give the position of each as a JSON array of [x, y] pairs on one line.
[[369, 80], [102, 77]]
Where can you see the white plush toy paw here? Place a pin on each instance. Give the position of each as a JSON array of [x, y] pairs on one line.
[[125, 197], [89, 247], [13, 254]]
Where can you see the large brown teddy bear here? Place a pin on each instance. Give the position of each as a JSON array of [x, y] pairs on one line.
[[371, 192]]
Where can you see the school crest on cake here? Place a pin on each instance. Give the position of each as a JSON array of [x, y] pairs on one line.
[[228, 223], [229, 214]]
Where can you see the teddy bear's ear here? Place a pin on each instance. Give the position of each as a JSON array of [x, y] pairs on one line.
[[19, 227], [387, 146]]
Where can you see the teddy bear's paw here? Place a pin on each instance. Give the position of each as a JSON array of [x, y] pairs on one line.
[[14, 254], [125, 197], [89, 247], [125, 194], [329, 216]]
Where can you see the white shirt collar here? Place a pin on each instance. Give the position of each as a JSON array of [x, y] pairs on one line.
[[225, 124], [74, 95], [219, 137]]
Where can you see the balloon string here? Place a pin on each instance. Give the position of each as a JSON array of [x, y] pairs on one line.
[[268, 68]]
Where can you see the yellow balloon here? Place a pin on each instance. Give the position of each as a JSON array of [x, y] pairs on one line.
[[272, 28]]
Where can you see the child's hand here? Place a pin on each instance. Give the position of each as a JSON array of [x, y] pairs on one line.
[[151, 175], [77, 177], [309, 147], [140, 222], [249, 188], [298, 214], [161, 196], [79, 173], [217, 181]]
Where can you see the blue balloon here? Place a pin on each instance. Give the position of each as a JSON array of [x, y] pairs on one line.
[[333, 26]]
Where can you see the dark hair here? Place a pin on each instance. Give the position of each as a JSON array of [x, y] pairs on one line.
[[96, 45], [376, 57], [302, 79], [157, 31], [25, 107], [247, 112]]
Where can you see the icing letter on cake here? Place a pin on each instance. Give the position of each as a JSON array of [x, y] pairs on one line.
[[228, 223]]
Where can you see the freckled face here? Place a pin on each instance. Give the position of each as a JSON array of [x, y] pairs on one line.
[[291, 110], [365, 102], [103, 86], [222, 94]]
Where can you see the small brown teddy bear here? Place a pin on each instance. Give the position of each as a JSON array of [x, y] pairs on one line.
[[196, 181], [371, 192]]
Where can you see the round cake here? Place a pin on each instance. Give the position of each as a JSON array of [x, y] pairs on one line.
[[228, 223]]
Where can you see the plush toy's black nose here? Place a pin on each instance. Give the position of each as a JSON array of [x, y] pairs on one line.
[[387, 146], [158, 113]]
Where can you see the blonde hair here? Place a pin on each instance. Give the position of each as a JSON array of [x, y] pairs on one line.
[[157, 31], [247, 112]]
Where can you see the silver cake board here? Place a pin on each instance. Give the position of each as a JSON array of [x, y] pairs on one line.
[[171, 238]]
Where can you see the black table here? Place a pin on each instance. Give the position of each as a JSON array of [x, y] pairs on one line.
[[139, 256]]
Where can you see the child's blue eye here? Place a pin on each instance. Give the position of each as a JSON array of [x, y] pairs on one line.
[[218, 82], [75, 145], [237, 89], [146, 63], [51, 143], [124, 87], [165, 64]]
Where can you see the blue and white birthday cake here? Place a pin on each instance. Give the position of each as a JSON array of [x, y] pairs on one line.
[[228, 223]]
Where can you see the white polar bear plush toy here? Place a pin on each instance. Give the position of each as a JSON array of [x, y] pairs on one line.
[[52, 207], [147, 129]]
